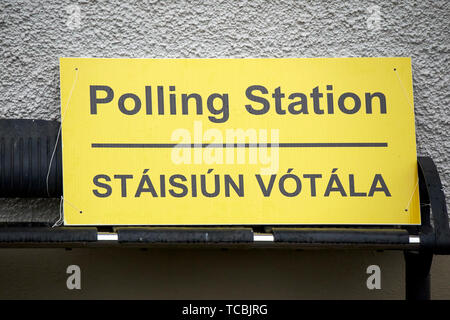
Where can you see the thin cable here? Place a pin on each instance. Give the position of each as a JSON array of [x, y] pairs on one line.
[[73, 206], [412, 107], [414, 191], [404, 89]]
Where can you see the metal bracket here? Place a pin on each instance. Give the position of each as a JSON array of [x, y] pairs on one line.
[[435, 233]]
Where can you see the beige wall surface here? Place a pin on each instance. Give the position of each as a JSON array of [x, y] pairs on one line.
[[129, 273]]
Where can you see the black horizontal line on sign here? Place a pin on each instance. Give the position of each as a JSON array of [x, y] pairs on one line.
[[243, 145]]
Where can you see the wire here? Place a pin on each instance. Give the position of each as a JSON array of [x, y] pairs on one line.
[[60, 126]]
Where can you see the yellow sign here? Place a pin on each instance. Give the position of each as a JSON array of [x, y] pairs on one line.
[[238, 141]]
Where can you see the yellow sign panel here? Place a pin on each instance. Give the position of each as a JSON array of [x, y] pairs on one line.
[[238, 141]]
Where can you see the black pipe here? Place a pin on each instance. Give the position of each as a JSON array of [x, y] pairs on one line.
[[26, 147]]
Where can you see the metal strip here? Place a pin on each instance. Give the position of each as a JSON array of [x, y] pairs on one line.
[[263, 237], [414, 239]]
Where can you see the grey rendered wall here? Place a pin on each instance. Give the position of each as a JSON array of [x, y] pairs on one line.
[[34, 34]]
